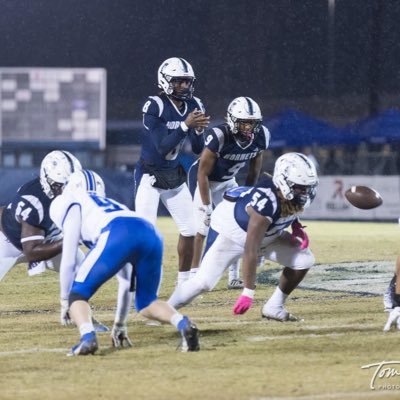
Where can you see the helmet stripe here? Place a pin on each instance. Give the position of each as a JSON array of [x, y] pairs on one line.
[[90, 181], [306, 160], [185, 66], [250, 104], [71, 163]]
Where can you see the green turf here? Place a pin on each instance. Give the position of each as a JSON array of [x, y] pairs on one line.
[[241, 358]]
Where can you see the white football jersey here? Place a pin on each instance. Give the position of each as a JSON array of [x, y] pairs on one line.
[[96, 211]]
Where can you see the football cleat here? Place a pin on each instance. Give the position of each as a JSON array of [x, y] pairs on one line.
[[393, 319], [87, 345], [99, 327], [235, 284], [388, 296], [190, 336], [278, 314]]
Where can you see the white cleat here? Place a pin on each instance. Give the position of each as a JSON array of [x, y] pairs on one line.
[[278, 314], [393, 319]]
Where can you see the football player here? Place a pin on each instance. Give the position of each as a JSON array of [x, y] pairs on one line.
[[228, 148], [169, 119], [253, 221], [391, 299], [118, 237], [27, 233]]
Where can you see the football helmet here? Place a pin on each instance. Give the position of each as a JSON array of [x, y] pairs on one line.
[[173, 71], [244, 119], [55, 169], [296, 177], [87, 180]]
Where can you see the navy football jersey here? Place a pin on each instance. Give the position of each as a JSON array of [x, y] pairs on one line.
[[265, 201], [231, 157], [32, 206], [163, 136]]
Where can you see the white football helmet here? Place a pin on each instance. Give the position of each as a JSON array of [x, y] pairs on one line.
[[244, 119], [86, 180], [55, 169], [296, 177], [174, 70]]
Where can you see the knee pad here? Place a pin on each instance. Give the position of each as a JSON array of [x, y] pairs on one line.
[[73, 296]]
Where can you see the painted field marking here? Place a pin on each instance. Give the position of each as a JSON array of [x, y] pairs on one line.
[[33, 350]]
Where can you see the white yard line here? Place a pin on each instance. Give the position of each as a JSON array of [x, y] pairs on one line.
[[33, 350]]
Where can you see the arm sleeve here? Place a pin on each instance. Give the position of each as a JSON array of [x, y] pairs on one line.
[[163, 139], [197, 141], [71, 229]]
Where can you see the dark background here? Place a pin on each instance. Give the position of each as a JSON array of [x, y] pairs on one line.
[[283, 53]]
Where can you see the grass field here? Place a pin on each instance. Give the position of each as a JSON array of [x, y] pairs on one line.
[[241, 357]]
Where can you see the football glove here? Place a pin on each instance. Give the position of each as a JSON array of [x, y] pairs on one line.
[[65, 318], [119, 336], [207, 210], [298, 232], [243, 303]]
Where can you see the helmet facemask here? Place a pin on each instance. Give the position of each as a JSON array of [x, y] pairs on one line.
[[244, 130], [176, 90]]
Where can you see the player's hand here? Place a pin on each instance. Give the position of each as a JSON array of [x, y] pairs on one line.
[[393, 319], [197, 120], [119, 336], [206, 210], [65, 318], [298, 232], [243, 303]]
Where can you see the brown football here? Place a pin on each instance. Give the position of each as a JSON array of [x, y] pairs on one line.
[[363, 197]]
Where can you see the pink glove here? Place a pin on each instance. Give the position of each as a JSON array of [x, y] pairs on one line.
[[243, 303], [299, 232]]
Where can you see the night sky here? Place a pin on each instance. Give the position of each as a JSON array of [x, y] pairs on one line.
[[259, 48]]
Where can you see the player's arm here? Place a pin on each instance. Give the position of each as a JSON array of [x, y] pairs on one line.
[[254, 170], [71, 229], [164, 141], [33, 246], [206, 165], [258, 224]]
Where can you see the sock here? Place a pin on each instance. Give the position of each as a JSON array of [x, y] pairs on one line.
[[176, 320], [278, 298], [182, 323], [183, 276], [234, 271], [85, 328], [396, 300], [193, 271]]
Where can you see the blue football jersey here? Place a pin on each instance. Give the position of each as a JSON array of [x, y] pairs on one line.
[[265, 201], [163, 137], [32, 206], [231, 157]]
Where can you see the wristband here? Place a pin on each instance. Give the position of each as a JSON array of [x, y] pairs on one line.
[[248, 293], [184, 127]]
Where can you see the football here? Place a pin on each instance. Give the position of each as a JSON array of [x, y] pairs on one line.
[[363, 197]]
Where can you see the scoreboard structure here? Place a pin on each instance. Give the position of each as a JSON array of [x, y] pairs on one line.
[[47, 107]]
